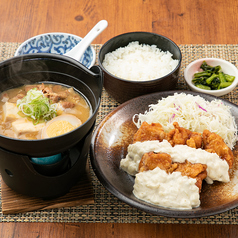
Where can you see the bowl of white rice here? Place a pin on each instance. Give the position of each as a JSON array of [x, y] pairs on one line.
[[138, 63]]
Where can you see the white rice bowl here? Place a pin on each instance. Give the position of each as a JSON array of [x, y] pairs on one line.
[[139, 62]]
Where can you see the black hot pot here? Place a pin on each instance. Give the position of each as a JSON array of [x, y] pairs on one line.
[[16, 167]]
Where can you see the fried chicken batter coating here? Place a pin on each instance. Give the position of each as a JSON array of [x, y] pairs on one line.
[[182, 136], [214, 143], [152, 160], [197, 171], [153, 131]]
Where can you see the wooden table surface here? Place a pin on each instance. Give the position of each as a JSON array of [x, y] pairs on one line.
[[184, 21]]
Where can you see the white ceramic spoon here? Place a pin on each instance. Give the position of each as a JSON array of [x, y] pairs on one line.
[[80, 48]]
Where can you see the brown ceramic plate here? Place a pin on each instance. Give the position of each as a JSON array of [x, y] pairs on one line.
[[109, 146]]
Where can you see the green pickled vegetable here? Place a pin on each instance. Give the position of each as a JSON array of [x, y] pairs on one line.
[[215, 83], [229, 78], [200, 80], [203, 86], [202, 74], [36, 107], [212, 78], [222, 77], [225, 84], [208, 68]]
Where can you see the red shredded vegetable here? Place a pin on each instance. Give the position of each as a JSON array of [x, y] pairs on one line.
[[171, 118], [201, 107]]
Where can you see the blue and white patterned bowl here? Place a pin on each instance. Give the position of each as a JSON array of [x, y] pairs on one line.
[[58, 43]]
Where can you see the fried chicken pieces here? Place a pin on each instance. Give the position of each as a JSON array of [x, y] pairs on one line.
[[211, 142], [151, 160], [153, 131], [196, 171], [177, 136], [182, 136]]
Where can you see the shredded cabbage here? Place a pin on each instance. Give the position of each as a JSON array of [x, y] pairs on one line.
[[36, 107], [193, 113]]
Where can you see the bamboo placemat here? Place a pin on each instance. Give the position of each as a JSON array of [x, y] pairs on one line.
[[107, 208]]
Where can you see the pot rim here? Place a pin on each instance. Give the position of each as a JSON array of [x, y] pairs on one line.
[[69, 60]]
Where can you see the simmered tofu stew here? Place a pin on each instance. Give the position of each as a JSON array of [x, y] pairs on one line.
[[41, 111]]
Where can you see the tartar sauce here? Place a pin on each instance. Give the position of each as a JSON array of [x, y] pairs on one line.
[[167, 190], [217, 169], [171, 190]]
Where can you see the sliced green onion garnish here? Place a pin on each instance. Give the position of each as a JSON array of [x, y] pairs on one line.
[[37, 107]]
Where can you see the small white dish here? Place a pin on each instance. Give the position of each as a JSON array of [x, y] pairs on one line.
[[57, 43], [227, 68]]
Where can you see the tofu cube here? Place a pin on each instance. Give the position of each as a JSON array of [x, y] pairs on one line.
[[10, 111], [22, 126]]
